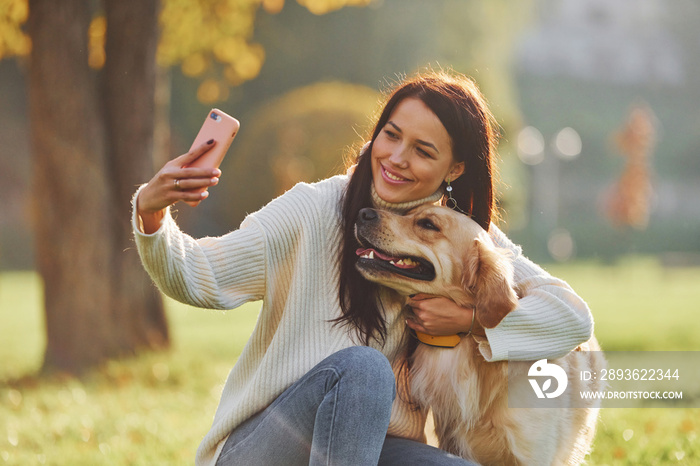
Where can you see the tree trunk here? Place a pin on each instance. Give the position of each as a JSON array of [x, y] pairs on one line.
[[70, 193], [129, 102], [90, 150]]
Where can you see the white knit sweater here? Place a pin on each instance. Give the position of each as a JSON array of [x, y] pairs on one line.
[[287, 255]]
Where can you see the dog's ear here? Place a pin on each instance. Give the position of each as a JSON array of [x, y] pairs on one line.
[[488, 275]]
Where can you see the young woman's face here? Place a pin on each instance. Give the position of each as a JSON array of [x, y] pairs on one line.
[[412, 155]]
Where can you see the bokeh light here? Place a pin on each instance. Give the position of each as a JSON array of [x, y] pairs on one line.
[[567, 143], [530, 146]]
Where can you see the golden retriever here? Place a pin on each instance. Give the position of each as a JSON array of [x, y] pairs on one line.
[[437, 251]]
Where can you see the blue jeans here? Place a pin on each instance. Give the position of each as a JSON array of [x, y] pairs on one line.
[[336, 414]]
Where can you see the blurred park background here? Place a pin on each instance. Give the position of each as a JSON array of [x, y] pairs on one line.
[[600, 166]]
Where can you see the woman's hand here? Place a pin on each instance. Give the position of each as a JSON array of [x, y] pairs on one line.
[[175, 182], [436, 315]]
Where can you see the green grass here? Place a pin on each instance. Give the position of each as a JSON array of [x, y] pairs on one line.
[[153, 410], [639, 305]]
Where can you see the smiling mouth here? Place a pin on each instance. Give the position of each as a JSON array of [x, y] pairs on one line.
[[408, 266], [393, 177]]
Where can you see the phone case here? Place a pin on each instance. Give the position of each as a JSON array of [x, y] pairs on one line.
[[221, 127]]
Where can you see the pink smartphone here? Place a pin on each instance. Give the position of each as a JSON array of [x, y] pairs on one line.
[[221, 127]]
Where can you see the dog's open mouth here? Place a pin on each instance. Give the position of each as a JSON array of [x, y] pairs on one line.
[[407, 266]]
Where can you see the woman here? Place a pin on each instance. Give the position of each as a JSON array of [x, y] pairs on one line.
[[317, 381]]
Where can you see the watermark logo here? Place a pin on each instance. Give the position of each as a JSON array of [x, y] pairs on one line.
[[542, 368], [614, 379]]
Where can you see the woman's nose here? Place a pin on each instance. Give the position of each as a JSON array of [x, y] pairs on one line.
[[398, 157]]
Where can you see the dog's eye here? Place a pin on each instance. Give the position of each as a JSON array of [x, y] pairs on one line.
[[427, 224]]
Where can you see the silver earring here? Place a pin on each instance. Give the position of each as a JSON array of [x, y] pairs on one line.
[[451, 201]]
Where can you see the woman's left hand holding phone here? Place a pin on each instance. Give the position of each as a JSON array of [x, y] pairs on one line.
[[176, 181]]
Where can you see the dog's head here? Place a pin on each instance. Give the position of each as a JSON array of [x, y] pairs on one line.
[[437, 251]]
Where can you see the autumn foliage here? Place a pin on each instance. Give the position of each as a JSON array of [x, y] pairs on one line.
[[211, 40]]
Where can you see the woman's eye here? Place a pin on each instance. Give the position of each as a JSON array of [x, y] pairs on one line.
[[390, 134], [427, 224], [424, 153]]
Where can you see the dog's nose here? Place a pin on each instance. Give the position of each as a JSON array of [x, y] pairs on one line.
[[368, 215]]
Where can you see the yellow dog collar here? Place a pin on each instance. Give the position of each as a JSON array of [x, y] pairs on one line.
[[442, 341]]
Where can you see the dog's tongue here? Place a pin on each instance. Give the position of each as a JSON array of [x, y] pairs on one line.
[[397, 262], [378, 254]]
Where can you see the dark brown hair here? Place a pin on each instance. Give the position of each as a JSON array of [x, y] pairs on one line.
[[462, 110]]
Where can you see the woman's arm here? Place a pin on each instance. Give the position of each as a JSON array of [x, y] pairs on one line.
[[550, 320], [214, 273], [219, 273], [226, 271]]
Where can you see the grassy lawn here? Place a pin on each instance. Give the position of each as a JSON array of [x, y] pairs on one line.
[[641, 306], [154, 410]]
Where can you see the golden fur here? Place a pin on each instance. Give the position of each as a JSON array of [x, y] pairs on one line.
[[468, 395]]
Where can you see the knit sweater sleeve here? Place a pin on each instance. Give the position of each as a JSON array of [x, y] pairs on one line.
[[214, 273], [550, 320]]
